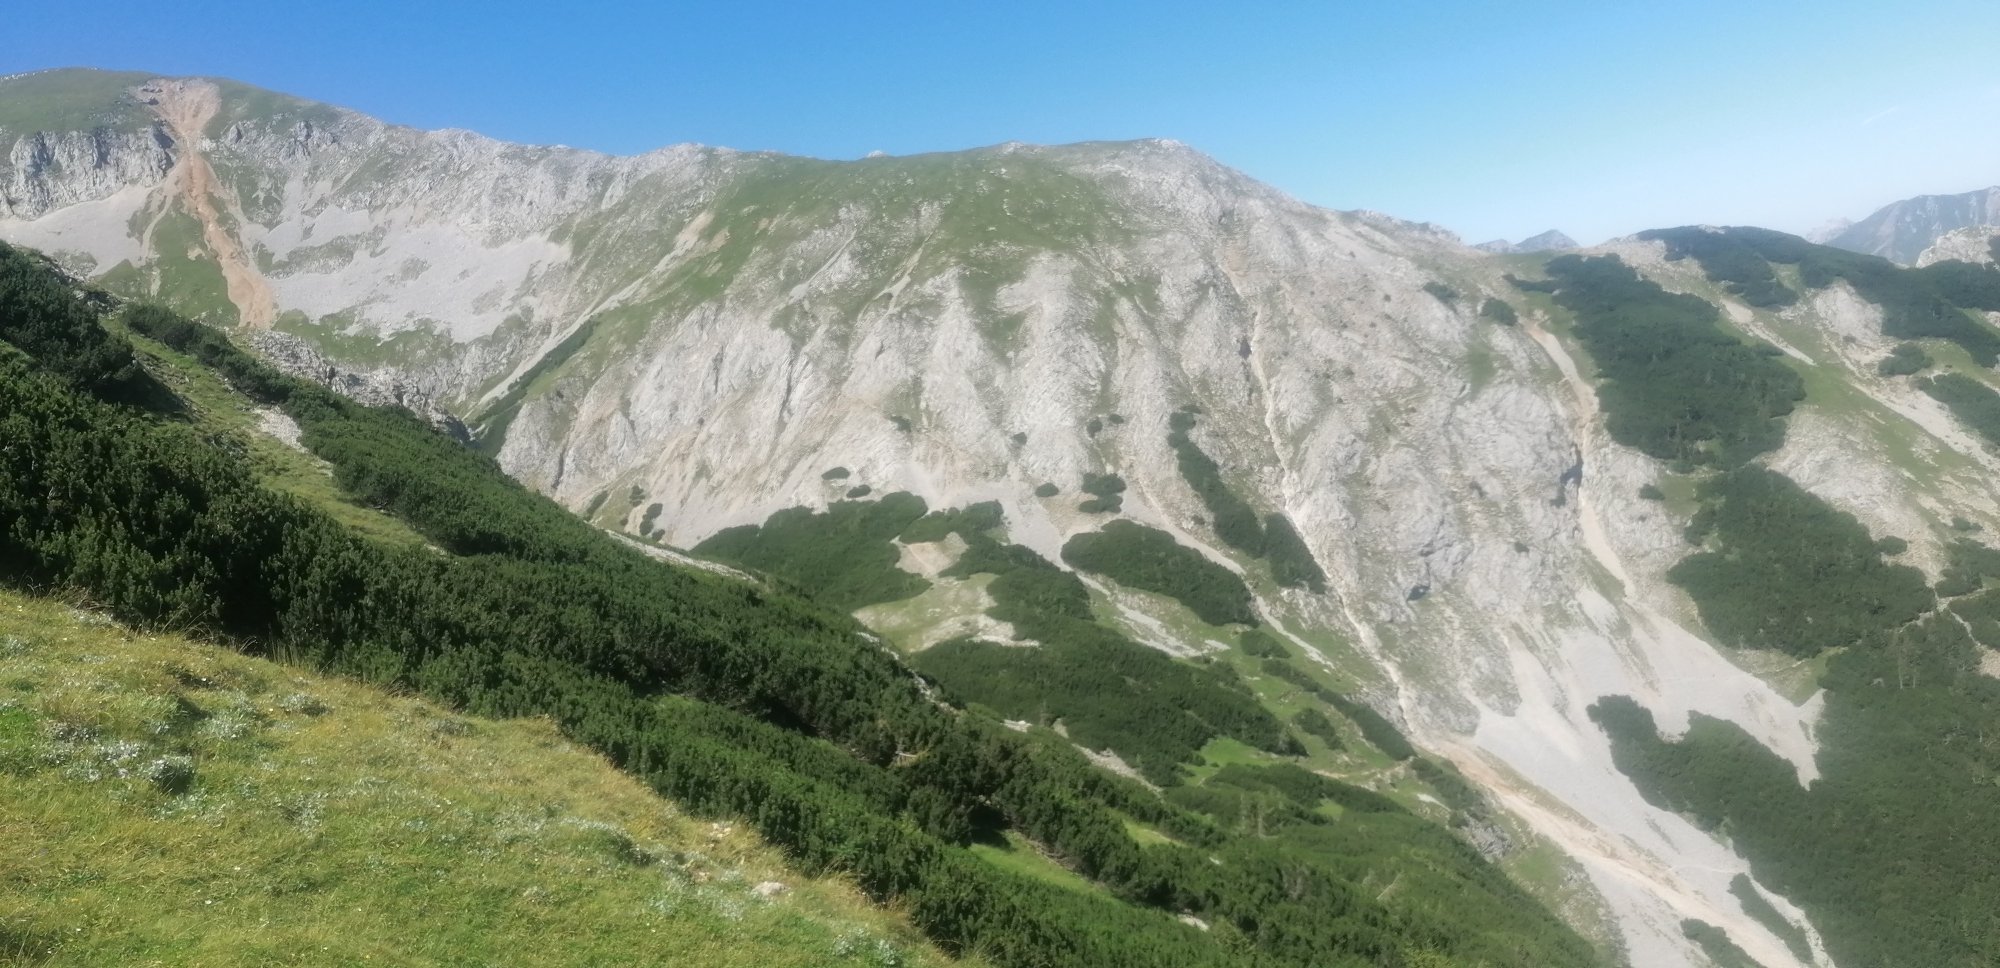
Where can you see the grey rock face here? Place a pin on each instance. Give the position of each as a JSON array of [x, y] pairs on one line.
[[1901, 231], [378, 388]]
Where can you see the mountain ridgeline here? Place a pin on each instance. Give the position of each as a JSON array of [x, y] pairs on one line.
[[1095, 554]]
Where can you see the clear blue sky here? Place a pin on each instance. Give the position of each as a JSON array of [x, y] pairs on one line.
[[1491, 119]]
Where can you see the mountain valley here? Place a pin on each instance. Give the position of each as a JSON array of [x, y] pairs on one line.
[[1645, 583]]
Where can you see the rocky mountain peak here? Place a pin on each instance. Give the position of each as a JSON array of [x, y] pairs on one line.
[[1549, 241], [1901, 231]]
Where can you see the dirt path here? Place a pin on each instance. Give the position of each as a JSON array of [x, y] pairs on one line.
[[186, 107]]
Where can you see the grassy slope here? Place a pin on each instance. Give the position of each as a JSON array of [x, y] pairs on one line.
[[71, 100], [332, 823], [221, 410]]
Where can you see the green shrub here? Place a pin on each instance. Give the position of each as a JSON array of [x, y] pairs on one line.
[[1108, 491], [1499, 312], [1716, 946], [1531, 285], [964, 522], [1234, 520], [1292, 563], [44, 319], [1905, 359], [1047, 489], [1788, 572], [1260, 644], [1145, 558], [843, 556], [1676, 385], [1103, 485], [1312, 722], [1375, 728]]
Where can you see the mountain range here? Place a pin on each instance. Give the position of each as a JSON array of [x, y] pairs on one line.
[[1503, 500], [1905, 231]]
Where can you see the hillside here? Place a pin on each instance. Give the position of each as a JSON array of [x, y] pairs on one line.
[[1315, 542], [172, 802], [734, 700]]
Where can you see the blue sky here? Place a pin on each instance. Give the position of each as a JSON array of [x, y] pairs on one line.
[[1491, 119]]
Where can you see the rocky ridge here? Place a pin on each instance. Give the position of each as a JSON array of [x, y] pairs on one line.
[[1550, 241], [1901, 231]]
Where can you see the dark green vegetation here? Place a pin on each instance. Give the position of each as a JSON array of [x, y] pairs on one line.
[[1312, 722], [1968, 564], [1714, 942], [1441, 292], [1107, 493], [1292, 563], [1878, 850], [1259, 644], [733, 699], [1151, 560], [1675, 384], [1234, 520], [1972, 402], [1882, 850], [1108, 691], [843, 553], [1047, 489], [47, 321], [1375, 728], [1916, 303], [1546, 286], [965, 522], [1783, 570], [1286, 814], [1905, 359], [1761, 911], [1499, 312]]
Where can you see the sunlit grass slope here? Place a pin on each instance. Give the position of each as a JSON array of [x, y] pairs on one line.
[[166, 802]]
